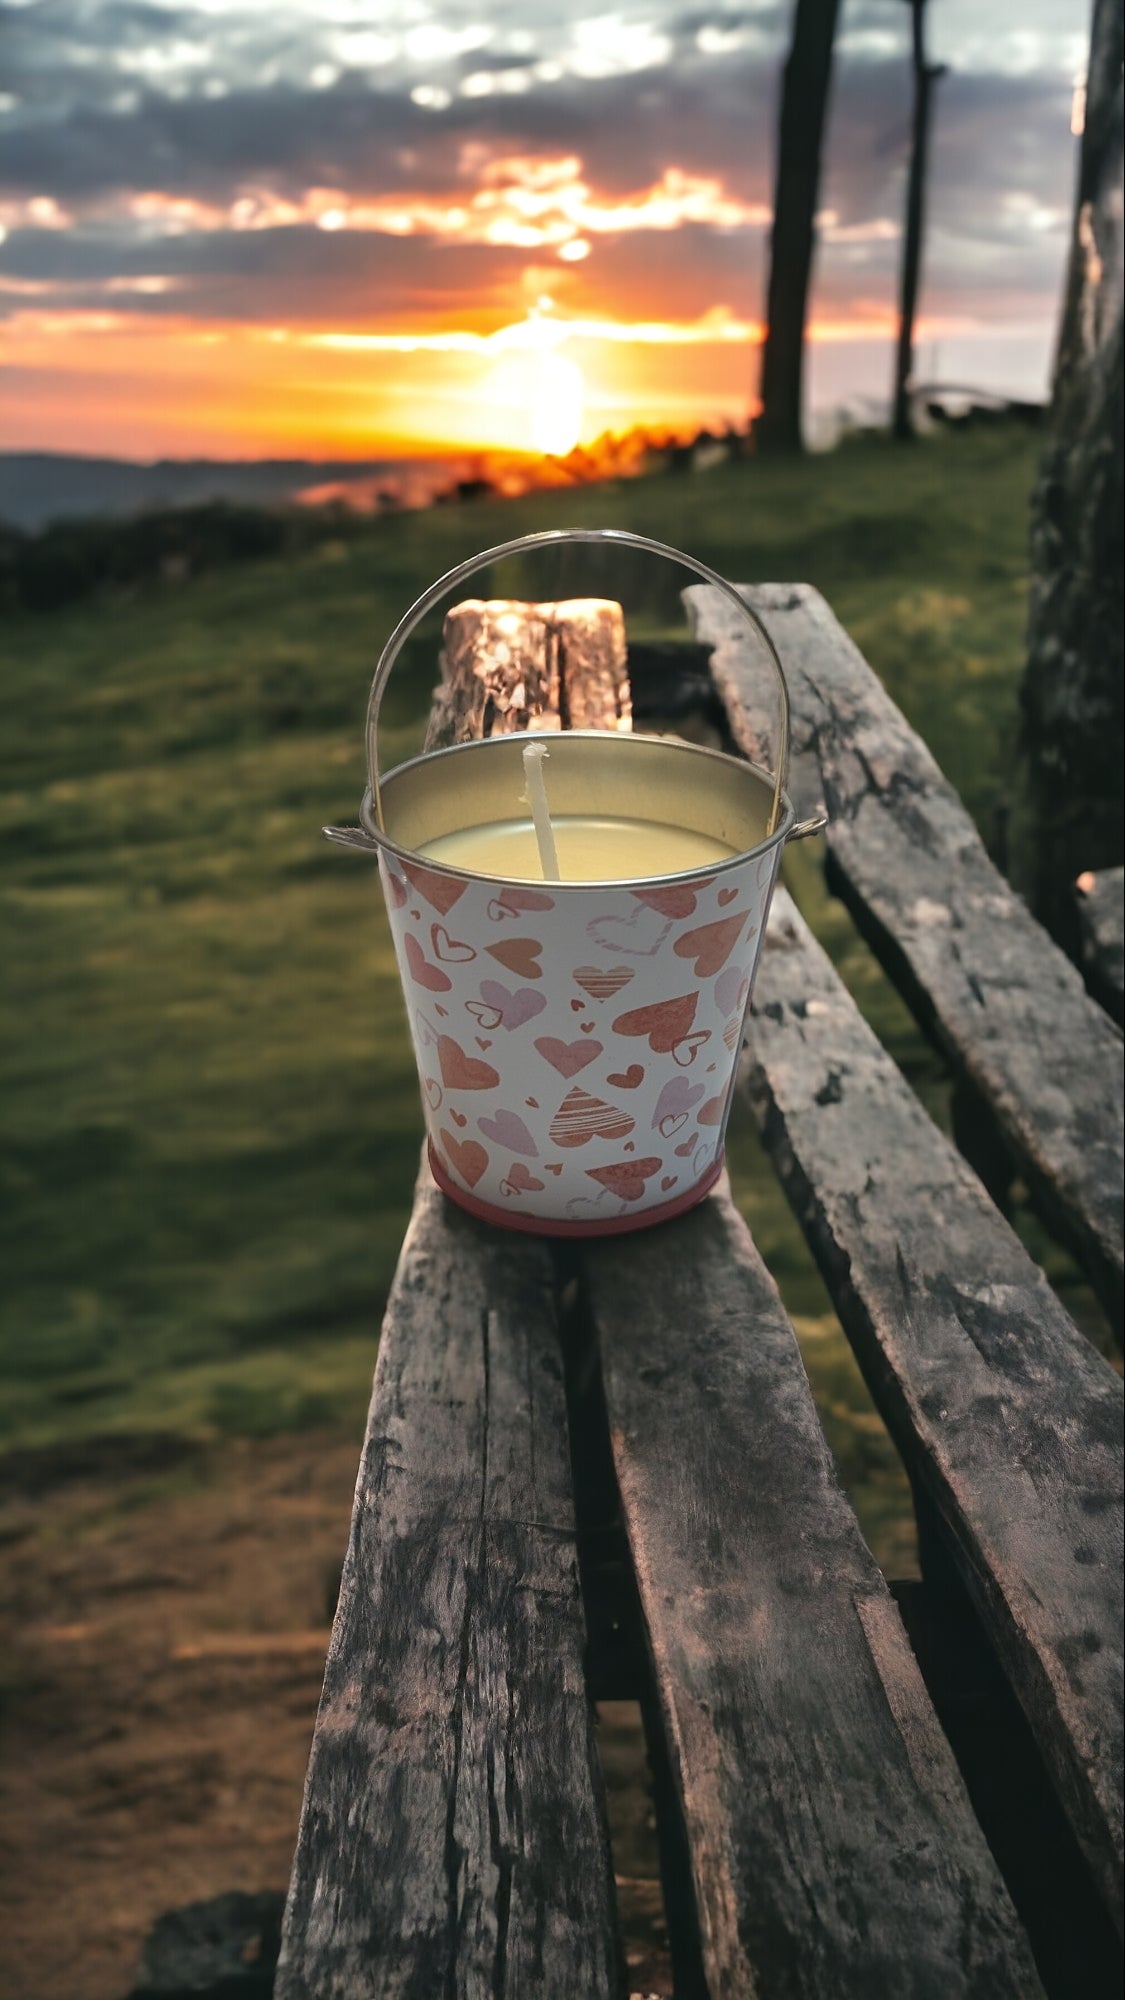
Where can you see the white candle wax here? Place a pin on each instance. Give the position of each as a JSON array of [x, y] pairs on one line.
[[534, 758], [591, 848]]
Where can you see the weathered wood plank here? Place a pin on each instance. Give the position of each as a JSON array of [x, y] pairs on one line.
[[499, 672], [1005, 1416], [595, 677], [1101, 924], [507, 665], [452, 1838], [982, 975], [832, 1849]]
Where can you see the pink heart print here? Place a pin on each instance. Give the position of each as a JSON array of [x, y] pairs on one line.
[[512, 1008], [687, 1048], [508, 1130], [710, 945], [677, 900], [603, 983], [421, 971], [664, 1023], [567, 1057], [626, 1178], [731, 988], [485, 1017], [469, 1159], [461, 1071], [510, 903], [452, 951], [519, 955], [639, 935], [581, 1118], [440, 891], [673, 1104]]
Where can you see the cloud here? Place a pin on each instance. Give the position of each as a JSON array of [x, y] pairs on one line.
[[208, 146], [271, 163]]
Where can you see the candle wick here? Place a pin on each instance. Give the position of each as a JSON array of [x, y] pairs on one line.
[[534, 757]]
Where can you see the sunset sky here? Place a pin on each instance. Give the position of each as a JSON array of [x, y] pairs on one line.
[[240, 228]]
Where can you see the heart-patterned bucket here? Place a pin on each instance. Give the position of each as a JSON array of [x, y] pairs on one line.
[[576, 1039]]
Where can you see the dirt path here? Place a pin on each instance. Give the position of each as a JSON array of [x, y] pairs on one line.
[[164, 1643], [164, 1630]]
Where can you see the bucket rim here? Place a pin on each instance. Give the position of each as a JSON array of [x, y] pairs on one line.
[[379, 839]]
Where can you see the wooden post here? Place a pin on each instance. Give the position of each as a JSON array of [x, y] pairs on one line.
[[508, 666]]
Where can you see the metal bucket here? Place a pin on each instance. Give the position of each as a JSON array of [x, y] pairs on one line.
[[576, 1041]]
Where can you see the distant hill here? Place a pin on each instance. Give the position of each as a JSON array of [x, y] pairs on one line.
[[38, 487]]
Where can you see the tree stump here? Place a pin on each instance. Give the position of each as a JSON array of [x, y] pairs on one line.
[[508, 666]]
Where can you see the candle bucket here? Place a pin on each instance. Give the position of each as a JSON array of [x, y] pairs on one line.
[[576, 1040]]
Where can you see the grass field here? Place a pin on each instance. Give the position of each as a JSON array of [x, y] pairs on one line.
[[210, 1111]]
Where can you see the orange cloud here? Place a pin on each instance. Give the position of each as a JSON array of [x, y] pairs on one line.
[[519, 203], [539, 330]]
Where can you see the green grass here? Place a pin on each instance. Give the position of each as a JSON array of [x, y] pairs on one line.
[[210, 1112]]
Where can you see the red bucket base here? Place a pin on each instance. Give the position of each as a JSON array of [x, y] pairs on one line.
[[532, 1225]]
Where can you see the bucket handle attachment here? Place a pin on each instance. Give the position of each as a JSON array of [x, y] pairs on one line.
[[357, 837], [371, 811]]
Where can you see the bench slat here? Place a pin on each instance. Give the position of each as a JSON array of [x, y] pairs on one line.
[[452, 1838], [1005, 1415], [833, 1850], [980, 973]]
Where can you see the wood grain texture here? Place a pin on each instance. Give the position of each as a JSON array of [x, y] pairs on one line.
[[594, 673], [452, 1839], [500, 672], [1006, 1417], [1006, 1005], [508, 665], [832, 1849]]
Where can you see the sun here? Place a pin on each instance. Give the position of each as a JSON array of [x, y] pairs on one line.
[[535, 397], [556, 414]]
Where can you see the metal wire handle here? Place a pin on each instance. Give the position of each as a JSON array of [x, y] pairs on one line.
[[619, 537]]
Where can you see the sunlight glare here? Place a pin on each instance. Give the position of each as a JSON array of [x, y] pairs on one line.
[[556, 415], [537, 395]]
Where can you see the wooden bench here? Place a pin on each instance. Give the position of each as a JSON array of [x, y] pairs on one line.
[[595, 1470]]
